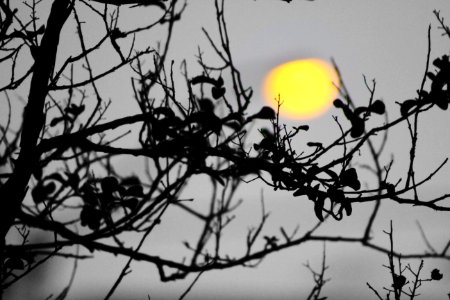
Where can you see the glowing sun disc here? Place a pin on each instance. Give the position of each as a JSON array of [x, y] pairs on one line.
[[306, 88]]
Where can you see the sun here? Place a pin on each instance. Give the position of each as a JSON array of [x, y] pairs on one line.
[[306, 87]]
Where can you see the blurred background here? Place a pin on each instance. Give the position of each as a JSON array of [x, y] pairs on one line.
[[383, 40]]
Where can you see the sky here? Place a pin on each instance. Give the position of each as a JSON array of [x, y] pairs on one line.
[[384, 40]]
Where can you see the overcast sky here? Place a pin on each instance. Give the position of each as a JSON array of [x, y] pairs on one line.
[[385, 40]]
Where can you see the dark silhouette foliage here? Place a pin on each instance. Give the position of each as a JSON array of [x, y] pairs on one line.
[[60, 160]]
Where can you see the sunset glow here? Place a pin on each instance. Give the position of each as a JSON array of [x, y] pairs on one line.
[[306, 88]]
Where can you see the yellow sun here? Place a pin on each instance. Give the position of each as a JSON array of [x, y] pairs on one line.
[[306, 88]]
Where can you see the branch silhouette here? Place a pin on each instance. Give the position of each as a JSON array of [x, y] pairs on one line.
[[58, 174]]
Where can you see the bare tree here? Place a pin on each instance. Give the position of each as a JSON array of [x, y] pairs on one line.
[[60, 159]]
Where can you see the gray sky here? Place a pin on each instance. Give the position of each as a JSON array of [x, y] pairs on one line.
[[385, 40]]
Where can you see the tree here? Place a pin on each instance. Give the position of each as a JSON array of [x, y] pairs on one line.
[[58, 167]]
